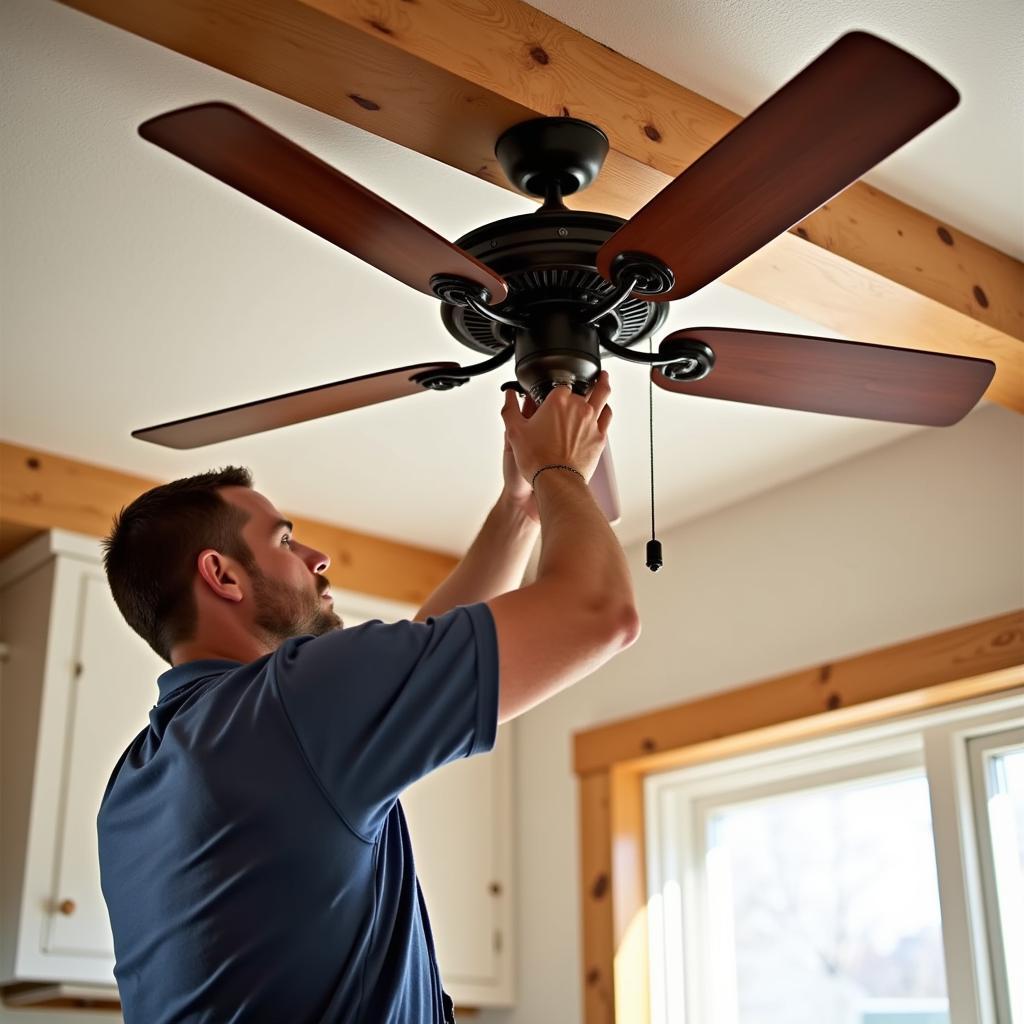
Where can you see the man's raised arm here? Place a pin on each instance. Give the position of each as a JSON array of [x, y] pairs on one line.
[[581, 610], [497, 558]]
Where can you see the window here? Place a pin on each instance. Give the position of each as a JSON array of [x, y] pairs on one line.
[[997, 777], [820, 882]]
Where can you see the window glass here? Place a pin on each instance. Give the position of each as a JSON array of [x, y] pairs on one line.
[[823, 906]]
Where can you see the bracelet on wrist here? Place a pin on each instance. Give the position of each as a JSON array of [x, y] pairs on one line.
[[557, 465]]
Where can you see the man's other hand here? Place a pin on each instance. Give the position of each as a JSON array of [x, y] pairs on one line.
[[517, 488]]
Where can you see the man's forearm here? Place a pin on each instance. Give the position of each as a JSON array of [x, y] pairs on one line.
[[494, 563]]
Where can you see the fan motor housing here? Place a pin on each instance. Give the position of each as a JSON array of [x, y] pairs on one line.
[[548, 260]]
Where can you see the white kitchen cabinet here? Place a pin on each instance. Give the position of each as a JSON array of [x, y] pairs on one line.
[[76, 685]]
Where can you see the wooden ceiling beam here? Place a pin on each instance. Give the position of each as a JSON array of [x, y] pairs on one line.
[[446, 77], [41, 491]]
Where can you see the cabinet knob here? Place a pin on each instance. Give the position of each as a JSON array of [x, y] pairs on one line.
[[67, 907], [494, 888]]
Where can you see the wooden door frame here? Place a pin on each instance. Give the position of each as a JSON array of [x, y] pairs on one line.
[[612, 760]]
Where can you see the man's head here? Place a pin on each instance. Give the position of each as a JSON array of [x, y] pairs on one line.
[[207, 562]]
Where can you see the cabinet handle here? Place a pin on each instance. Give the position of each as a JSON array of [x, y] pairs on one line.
[[67, 907]]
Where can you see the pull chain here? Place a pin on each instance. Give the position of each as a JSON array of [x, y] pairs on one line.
[[654, 559]]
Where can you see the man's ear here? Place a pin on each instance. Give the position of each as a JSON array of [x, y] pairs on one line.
[[220, 574]]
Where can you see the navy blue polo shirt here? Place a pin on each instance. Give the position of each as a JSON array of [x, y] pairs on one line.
[[254, 855]]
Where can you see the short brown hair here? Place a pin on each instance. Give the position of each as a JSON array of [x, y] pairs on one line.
[[150, 554]]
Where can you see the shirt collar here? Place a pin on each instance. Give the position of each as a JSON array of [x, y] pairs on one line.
[[189, 671]]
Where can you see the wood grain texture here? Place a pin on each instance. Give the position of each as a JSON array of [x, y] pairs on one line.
[[248, 155], [294, 407], [13, 535], [873, 308], [40, 490], [629, 898], [596, 899], [36, 995], [842, 378], [858, 102], [990, 651], [864, 264], [837, 720]]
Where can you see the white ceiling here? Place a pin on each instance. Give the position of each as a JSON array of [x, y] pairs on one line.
[[966, 169], [134, 289]]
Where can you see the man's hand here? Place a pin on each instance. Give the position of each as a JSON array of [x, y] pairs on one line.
[[568, 429], [497, 558], [517, 490]]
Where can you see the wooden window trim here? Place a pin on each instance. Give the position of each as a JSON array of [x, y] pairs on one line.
[[612, 760]]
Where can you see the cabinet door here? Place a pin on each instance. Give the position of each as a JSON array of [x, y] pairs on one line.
[[114, 687], [460, 822]]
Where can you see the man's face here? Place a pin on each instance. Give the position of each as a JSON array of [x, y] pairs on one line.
[[290, 596]]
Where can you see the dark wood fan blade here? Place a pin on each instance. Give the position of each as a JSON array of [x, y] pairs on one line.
[[844, 378], [858, 102], [605, 487], [246, 154], [284, 410]]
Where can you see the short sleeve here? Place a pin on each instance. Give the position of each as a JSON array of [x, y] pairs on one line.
[[377, 706]]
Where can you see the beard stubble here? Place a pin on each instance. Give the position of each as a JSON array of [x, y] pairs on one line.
[[284, 612]]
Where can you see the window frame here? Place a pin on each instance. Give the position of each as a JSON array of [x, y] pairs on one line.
[[938, 742], [971, 967], [937, 671], [684, 801], [981, 748]]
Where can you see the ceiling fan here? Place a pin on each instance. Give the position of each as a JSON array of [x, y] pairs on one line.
[[560, 289]]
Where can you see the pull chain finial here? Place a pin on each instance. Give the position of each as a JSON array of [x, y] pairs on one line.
[[654, 559]]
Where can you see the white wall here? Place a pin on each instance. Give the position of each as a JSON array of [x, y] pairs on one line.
[[920, 536]]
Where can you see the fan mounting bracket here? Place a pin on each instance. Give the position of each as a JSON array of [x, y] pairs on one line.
[[684, 359], [644, 273], [552, 157], [457, 291], [446, 380]]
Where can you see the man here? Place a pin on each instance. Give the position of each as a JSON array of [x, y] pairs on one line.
[[254, 856]]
